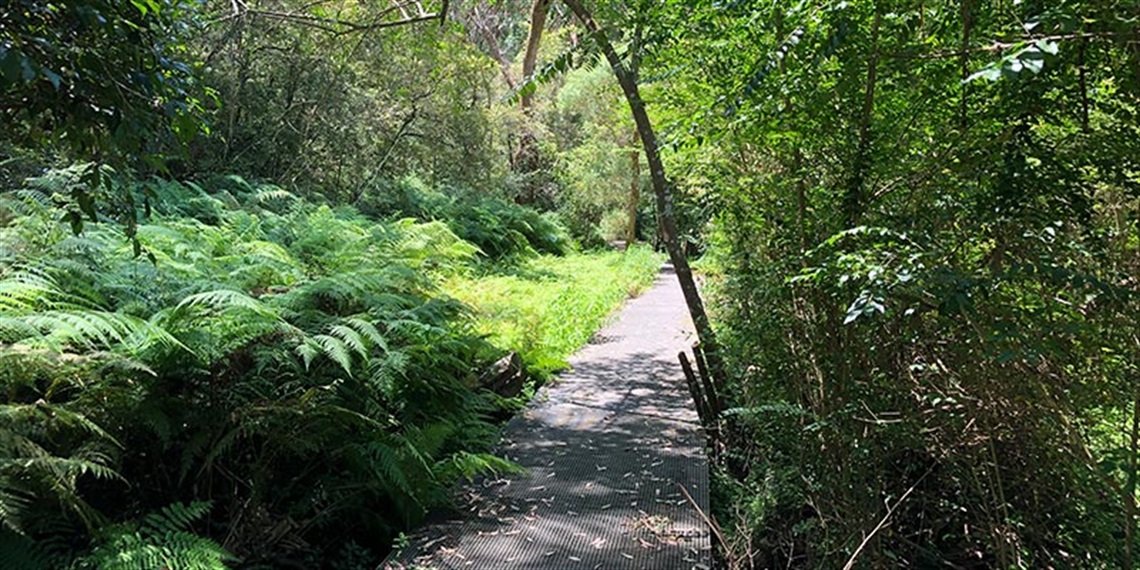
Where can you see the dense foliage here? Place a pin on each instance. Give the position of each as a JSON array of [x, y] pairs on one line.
[[263, 358], [102, 78], [503, 230], [920, 221], [925, 253]]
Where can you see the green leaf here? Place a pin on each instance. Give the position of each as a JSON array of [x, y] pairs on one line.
[[1048, 46]]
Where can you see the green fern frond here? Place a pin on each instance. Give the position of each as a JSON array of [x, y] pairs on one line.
[[20, 552], [368, 330], [308, 351], [268, 194], [222, 299], [465, 465], [335, 349], [25, 290], [387, 463], [176, 517], [162, 540], [62, 330], [29, 468], [351, 338]]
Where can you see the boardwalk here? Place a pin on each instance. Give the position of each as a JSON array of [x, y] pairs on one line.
[[608, 447]]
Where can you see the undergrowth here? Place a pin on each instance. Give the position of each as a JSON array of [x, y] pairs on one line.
[[257, 382], [548, 307]]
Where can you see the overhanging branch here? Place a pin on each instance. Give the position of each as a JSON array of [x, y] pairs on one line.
[[407, 12]]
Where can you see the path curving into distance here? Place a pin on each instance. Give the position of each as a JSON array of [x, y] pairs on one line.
[[607, 448]]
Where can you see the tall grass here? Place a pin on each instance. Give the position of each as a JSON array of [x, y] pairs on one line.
[[548, 307]]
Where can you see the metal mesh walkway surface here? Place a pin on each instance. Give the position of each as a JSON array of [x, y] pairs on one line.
[[610, 450]]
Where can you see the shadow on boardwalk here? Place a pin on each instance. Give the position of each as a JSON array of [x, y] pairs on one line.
[[607, 449]]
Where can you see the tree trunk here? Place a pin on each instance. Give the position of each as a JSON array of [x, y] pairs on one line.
[[666, 222], [527, 160], [533, 40], [854, 200], [964, 61], [496, 51], [634, 190]]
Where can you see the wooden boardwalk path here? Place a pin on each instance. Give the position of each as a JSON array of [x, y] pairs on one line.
[[610, 450]]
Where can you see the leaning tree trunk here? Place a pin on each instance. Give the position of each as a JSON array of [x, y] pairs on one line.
[[527, 160], [665, 218]]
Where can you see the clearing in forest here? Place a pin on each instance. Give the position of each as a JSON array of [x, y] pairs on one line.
[[611, 449]]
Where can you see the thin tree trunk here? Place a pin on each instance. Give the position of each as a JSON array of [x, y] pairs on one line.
[[1082, 66], [1130, 487], [665, 218], [497, 54], [533, 40], [801, 204], [527, 159], [634, 190], [854, 200], [634, 154], [964, 59]]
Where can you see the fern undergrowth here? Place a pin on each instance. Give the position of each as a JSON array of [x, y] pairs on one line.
[[263, 382]]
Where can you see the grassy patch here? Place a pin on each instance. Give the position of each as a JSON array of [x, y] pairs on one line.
[[549, 307]]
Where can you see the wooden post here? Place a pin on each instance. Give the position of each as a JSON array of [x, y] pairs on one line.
[[712, 389], [695, 390]]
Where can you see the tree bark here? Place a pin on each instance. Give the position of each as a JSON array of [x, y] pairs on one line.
[[533, 40], [527, 160], [665, 219], [634, 190], [964, 61]]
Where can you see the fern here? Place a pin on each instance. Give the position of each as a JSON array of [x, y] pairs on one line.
[[21, 552], [368, 331], [162, 540], [330, 346], [351, 339], [30, 469], [465, 465], [221, 300], [35, 312], [296, 357]]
